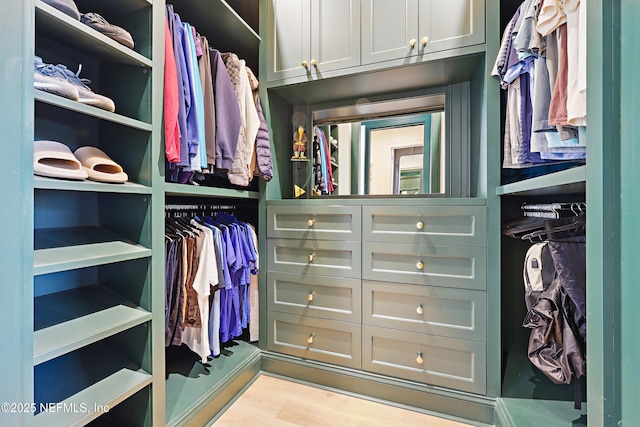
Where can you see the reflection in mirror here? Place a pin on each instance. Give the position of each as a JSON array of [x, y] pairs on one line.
[[381, 152]]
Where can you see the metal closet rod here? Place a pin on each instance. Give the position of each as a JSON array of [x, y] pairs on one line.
[[181, 207]]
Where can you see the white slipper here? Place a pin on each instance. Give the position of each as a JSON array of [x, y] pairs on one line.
[[99, 166], [55, 160]]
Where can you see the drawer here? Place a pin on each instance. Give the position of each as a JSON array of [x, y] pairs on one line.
[[429, 359], [317, 339], [314, 257], [451, 266], [427, 225], [449, 312], [314, 222], [316, 296]]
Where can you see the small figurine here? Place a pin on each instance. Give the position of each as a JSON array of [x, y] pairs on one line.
[[299, 144]]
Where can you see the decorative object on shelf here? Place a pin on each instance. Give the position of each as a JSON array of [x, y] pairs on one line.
[[98, 23], [99, 166], [65, 6], [55, 160], [299, 143]]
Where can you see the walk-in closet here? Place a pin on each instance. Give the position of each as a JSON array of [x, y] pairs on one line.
[[383, 198]]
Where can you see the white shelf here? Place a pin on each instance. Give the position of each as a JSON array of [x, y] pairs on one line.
[[60, 26], [104, 395], [568, 181], [52, 260], [89, 110]]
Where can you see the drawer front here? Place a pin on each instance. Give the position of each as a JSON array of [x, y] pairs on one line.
[[316, 296], [446, 362], [317, 339], [449, 312], [314, 257], [314, 222], [450, 266], [426, 225]]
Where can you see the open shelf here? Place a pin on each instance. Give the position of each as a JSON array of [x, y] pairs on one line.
[[60, 26], [66, 321], [172, 189], [89, 110], [43, 183], [223, 27], [568, 181], [61, 249]]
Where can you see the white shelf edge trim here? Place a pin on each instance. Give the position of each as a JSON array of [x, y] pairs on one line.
[[73, 257], [56, 340], [96, 399]]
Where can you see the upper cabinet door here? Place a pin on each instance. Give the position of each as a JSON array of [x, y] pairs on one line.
[[289, 38], [335, 35], [451, 24], [308, 37], [413, 29], [389, 29]]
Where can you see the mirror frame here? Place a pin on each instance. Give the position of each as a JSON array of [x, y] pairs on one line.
[[453, 99]]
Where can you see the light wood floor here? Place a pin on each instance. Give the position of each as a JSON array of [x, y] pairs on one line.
[[272, 401]]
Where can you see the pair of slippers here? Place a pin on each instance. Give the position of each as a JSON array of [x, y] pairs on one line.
[[55, 160]]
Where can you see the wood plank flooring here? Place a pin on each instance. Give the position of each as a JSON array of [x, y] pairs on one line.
[[272, 401]]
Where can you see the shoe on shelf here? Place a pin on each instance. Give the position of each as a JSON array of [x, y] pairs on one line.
[[65, 6], [85, 94], [97, 22], [47, 78]]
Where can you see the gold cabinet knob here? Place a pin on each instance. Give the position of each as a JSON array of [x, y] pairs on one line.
[[420, 309], [305, 64], [310, 257], [424, 41], [420, 359], [310, 339], [314, 63], [412, 43], [420, 225], [419, 265], [311, 222], [310, 296]]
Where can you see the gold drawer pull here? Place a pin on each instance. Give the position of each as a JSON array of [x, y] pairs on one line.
[[420, 265], [420, 309], [314, 63], [305, 64], [310, 257], [311, 222], [420, 225], [419, 359], [424, 41], [310, 296], [310, 339], [412, 43]]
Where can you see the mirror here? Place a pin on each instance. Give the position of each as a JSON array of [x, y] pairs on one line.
[[394, 147]]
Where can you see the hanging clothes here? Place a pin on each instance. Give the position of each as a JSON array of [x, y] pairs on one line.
[[218, 117], [539, 46], [210, 265]]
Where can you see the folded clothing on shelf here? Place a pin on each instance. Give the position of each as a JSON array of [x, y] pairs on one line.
[[66, 6], [98, 23]]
